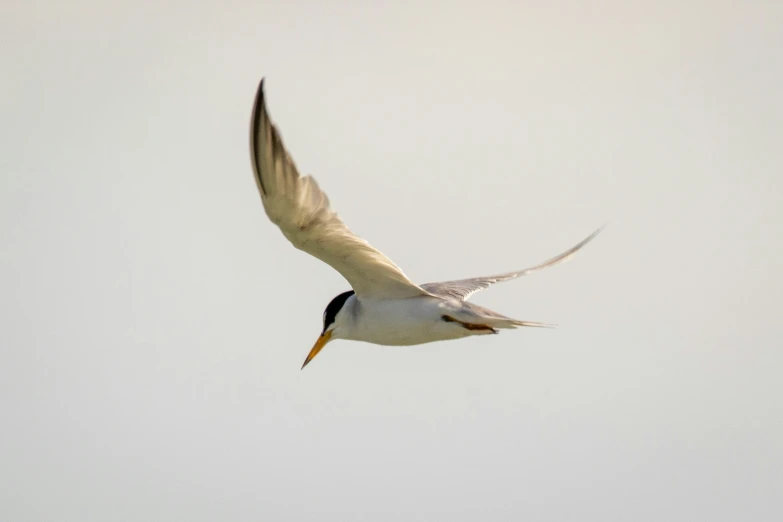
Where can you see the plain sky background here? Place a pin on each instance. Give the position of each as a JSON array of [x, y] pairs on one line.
[[154, 321]]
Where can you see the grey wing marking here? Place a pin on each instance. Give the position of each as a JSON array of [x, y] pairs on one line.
[[464, 288]]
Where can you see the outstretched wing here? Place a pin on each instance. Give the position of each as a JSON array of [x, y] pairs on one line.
[[301, 210], [464, 288]]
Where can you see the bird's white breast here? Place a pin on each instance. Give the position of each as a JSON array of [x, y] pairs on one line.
[[401, 322]]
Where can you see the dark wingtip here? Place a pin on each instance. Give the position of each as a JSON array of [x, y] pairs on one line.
[[258, 111], [259, 98]]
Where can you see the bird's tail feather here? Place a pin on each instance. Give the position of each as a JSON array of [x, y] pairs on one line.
[[513, 323], [534, 324]]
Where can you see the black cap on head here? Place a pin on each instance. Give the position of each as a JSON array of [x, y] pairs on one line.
[[334, 307]]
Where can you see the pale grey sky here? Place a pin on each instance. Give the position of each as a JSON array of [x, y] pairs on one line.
[[154, 321]]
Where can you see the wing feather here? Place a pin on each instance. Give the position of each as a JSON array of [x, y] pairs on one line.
[[301, 210], [464, 288]]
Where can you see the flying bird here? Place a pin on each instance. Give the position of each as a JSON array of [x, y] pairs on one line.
[[384, 306]]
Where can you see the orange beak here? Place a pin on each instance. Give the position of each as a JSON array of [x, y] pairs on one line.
[[319, 344]]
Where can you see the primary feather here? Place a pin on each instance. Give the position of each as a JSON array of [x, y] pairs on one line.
[[301, 210]]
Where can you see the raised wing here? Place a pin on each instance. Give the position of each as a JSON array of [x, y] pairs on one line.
[[298, 206], [464, 288]]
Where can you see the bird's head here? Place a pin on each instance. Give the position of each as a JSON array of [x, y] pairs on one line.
[[335, 316]]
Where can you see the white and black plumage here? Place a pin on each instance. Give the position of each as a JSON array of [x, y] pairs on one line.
[[384, 307]]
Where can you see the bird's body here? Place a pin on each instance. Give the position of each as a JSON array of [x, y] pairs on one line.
[[415, 320], [384, 307]]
